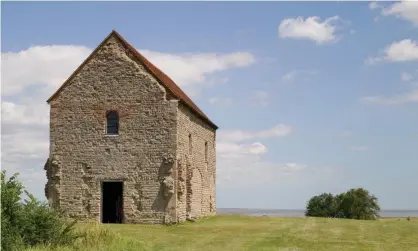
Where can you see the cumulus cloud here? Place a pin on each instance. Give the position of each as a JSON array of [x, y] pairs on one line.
[[279, 130], [311, 28], [21, 114], [406, 10], [51, 65], [399, 51], [403, 98], [241, 172], [242, 162], [25, 145], [30, 76], [40, 65], [228, 147], [245, 160], [188, 69]]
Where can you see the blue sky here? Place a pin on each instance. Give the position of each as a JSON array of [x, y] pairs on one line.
[[309, 97]]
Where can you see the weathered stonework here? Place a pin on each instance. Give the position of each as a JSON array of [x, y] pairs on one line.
[[197, 174], [162, 181]]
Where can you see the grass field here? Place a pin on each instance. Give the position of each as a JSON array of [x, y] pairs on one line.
[[233, 232]]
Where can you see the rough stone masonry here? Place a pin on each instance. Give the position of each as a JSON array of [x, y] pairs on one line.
[[163, 152]]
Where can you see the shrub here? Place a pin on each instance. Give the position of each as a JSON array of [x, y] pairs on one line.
[[353, 204], [323, 205], [28, 222], [11, 212], [359, 204]]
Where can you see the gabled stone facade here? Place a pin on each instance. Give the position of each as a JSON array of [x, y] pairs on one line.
[[164, 152]]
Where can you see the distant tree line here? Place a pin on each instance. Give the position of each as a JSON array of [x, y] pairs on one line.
[[354, 204]]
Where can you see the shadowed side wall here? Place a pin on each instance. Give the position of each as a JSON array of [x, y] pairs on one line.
[[196, 173], [142, 155]]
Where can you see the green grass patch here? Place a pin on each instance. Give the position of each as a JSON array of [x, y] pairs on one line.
[[234, 232]]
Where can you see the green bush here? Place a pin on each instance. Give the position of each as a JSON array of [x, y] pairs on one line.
[[11, 212], [353, 204], [323, 205], [29, 222], [359, 204]]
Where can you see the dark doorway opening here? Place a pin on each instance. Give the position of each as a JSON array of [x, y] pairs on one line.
[[112, 202]]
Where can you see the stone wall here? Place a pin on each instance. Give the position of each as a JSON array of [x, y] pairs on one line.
[[142, 155], [196, 172]]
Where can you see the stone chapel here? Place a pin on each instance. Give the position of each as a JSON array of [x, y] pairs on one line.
[[127, 145]]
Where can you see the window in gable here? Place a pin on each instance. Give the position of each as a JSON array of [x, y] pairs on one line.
[[112, 126]]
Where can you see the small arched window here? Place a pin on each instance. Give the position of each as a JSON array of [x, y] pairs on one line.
[[112, 119]]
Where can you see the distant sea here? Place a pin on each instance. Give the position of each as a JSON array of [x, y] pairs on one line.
[[300, 213]]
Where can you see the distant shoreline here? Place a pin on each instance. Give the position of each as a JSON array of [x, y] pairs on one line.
[[384, 214], [302, 216]]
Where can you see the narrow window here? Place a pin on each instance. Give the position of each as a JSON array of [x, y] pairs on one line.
[[112, 123], [190, 144], [206, 151]]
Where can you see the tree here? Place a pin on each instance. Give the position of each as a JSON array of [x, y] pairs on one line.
[[323, 205], [353, 204], [30, 222], [359, 204]]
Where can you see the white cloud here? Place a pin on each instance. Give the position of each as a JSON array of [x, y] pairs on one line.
[[396, 99], [279, 130], [399, 51], [191, 69], [242, 163], [373, 5], [240, 172], [406, 9], [360, 148], [220, 101], [310, 28], [291, 76], [17, 114], [28, 144], [260, 98], [228, 147], [43, 65], [50, 66]]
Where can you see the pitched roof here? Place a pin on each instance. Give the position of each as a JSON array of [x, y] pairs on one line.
[[160, 76]]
